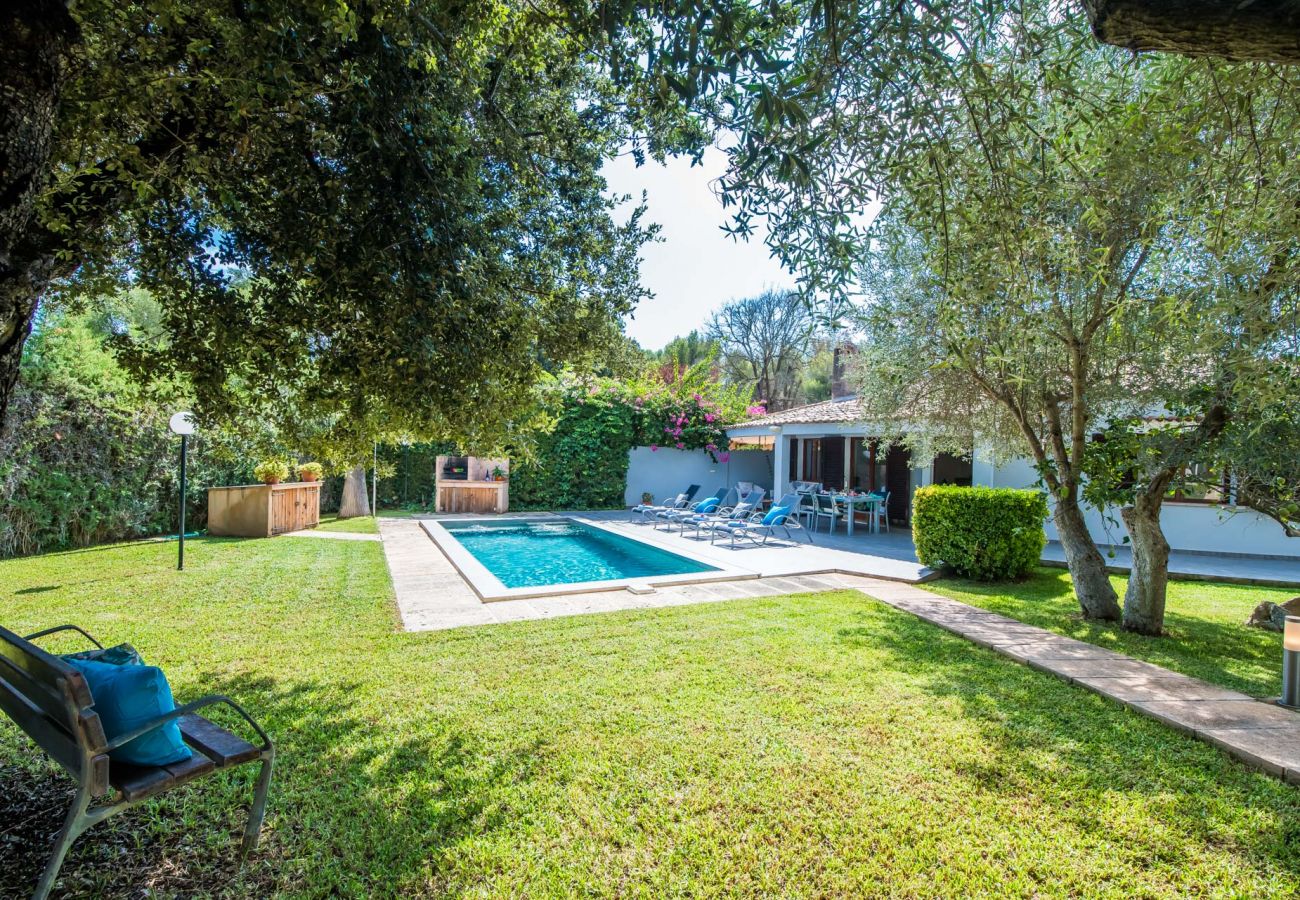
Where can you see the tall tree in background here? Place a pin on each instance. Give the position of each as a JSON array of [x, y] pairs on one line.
[[681, 353], [765, 342], [391, 209]]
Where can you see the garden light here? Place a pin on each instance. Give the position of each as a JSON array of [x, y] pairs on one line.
[[1291, 662]]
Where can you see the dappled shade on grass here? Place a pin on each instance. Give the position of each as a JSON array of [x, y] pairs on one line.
[[815, 745]]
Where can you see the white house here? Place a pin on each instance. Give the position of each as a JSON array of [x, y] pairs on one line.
[[829, 443]]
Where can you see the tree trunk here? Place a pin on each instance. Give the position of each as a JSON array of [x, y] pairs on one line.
[[1087, 567], [1144, 600], [37, 38], [355, 500]]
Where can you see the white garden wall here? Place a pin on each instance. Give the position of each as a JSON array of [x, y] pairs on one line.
[[666, 472], [1187, 526]]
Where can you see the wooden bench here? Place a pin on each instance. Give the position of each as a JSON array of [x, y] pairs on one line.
[[50, 701]]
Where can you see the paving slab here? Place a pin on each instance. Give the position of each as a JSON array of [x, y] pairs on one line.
[[1055, 651], [1275, 750], [1132, 688], [1205, 715], [1258, 733]]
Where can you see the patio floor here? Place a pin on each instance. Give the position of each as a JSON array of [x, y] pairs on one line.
[[432, 595]]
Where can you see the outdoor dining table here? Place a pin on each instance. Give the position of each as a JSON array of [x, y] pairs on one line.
[[853, 501]]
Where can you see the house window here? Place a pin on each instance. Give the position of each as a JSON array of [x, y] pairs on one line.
[[812, 460], [867, 465], [1200, 485]]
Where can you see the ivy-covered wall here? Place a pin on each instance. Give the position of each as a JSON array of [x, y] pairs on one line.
[[87, 458], [581, 463]]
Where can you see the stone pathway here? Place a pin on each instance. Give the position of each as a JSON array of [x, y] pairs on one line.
[[332, 535], [1257, 732]]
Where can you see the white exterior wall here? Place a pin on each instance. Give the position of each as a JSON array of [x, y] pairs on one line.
[[666, 472], [1187, 526]]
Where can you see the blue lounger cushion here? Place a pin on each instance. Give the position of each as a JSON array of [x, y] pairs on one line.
[[708, 506], [775, 514], [127, 697]]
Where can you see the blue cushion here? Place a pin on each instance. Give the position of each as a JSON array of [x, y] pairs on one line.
[[709, 505], [128, 696], [775, 514]]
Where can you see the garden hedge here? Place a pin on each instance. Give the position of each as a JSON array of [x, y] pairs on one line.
[[984, 533]]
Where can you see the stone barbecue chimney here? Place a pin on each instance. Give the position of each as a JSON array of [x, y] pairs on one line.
[[841, 387]]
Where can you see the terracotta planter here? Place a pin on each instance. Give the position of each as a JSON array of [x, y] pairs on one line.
[[308, 476], [270, 481]]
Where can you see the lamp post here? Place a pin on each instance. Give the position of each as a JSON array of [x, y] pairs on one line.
[[1291, 662], [183, 424]]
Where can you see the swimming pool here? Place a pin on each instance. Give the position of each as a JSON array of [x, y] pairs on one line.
[[521, 553]]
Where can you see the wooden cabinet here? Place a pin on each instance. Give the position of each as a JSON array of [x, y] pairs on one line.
[[468, 484], [263, 510]]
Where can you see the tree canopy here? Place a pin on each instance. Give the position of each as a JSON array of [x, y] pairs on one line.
[[387, 212]]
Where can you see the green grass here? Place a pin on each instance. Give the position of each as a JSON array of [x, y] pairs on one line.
[[810, 746], [1205, 628], [355, 525], [359, 524]]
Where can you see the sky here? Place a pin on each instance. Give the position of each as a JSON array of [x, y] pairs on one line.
[[696, 267]]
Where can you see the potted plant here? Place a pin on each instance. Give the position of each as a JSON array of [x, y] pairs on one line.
[[311, 471], [647, 498], [271, 471], [498, 474]]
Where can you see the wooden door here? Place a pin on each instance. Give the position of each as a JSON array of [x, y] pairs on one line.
[[295, 507], [283, 517]]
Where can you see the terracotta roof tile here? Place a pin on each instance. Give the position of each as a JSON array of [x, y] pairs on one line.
[[847, 409]]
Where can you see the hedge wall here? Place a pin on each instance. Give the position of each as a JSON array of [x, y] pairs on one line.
[[582, 463], [984, 533], [87, 458]]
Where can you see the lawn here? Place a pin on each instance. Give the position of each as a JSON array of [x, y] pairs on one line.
[[1205, 628], [809, 746], [354, 525], [358, 524]]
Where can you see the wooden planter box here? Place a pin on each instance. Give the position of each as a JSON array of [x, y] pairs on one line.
[[263, 510]]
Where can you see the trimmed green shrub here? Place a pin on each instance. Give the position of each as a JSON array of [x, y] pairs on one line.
[[978, 532]]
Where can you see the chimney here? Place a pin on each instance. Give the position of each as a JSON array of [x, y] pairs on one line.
[[841, 389]]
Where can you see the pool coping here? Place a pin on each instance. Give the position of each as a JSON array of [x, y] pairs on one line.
[[490, 589]]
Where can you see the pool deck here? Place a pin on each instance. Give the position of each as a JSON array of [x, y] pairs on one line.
[[432, 595]]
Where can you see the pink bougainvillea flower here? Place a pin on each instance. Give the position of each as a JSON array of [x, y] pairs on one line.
[[654, 447], [710, 417], [710, 447], [681, 446], [724, 457]]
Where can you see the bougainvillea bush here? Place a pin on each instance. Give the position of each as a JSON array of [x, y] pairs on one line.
[[580, 461]]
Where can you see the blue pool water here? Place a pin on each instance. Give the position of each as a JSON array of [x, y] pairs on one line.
[[528, 554]]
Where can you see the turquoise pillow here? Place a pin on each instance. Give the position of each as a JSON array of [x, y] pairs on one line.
[[775, 514], [128, 696], [709, 505]]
